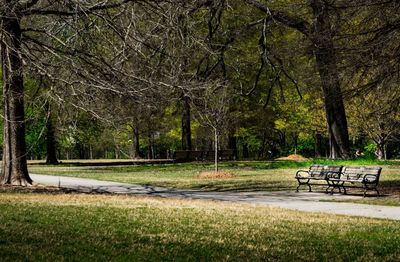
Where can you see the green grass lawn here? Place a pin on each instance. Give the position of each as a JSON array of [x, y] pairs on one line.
[[76, 227], [249, 176]]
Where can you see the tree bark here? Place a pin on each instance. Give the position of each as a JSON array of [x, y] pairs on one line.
[[186, 131], [232, 144], [380, 152], [380, 148], [150, 149], [318, 145], [327, 66], [90, 151], [50, 139], [135, 141], [245, 150], [295, 140], [216, 142], [14, 170]]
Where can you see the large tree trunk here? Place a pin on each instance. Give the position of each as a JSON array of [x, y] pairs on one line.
[[321, 33], [14, 170], [186, 132], [380, 151], [245, 151], [326, 62], [150, 148], [50, 139], [232, 144], [135, 144], [318, 145]]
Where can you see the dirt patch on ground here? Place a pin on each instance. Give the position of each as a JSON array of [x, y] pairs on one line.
[[293, 158], [213, 174]]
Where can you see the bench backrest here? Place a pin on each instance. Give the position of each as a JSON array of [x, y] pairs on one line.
[[195, 155], [181, 155], [323, 170], [371, 173], [226, 154]]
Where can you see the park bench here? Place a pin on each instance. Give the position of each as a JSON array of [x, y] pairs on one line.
[[226, 154], [316, 175], [198, 155], [195, 155], [180, 156], [366, 178]]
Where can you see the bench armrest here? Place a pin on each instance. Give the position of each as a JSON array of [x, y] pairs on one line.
[[368, 178], [298, 173], [332, 174]]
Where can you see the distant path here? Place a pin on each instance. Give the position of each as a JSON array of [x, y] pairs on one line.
[[303, 201]]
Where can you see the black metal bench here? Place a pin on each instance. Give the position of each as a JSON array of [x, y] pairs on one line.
[[180, 156], [364, 177], [226, 154], [315, 174], [195, 155]]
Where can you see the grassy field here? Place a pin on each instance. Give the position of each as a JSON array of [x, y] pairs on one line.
[[249, 176], [76, 227]]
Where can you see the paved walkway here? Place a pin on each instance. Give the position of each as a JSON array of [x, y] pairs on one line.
[[303, 201]]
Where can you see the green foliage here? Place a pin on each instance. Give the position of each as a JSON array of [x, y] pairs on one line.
[[36, 119], [80, 134], [306, 145], [370, 151], [221, 43], [249, 137], [35, 135]]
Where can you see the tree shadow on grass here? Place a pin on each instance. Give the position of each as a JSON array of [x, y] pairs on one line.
[[389, 187], [247, 186]]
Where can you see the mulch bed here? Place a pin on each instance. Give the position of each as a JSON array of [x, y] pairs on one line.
[[213, 175], [293, 158]]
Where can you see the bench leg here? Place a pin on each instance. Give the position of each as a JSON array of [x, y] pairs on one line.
[[334, 185], [303, 183], [376, 189], [327, 189], [297, 188], [365, 190], [372, 187]]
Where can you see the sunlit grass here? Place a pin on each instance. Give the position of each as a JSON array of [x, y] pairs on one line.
[[248, 175], [384, 201], [182, 176], [121, 228]]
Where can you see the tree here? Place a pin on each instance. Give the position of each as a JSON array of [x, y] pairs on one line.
[[14, 169], [186, 124], [12, 44], [321, 35], [377, 114], [212, 106]]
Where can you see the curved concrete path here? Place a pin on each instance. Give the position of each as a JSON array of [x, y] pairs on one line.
[[303, 201]]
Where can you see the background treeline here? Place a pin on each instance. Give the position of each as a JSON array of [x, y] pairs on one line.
[[153, 77]]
